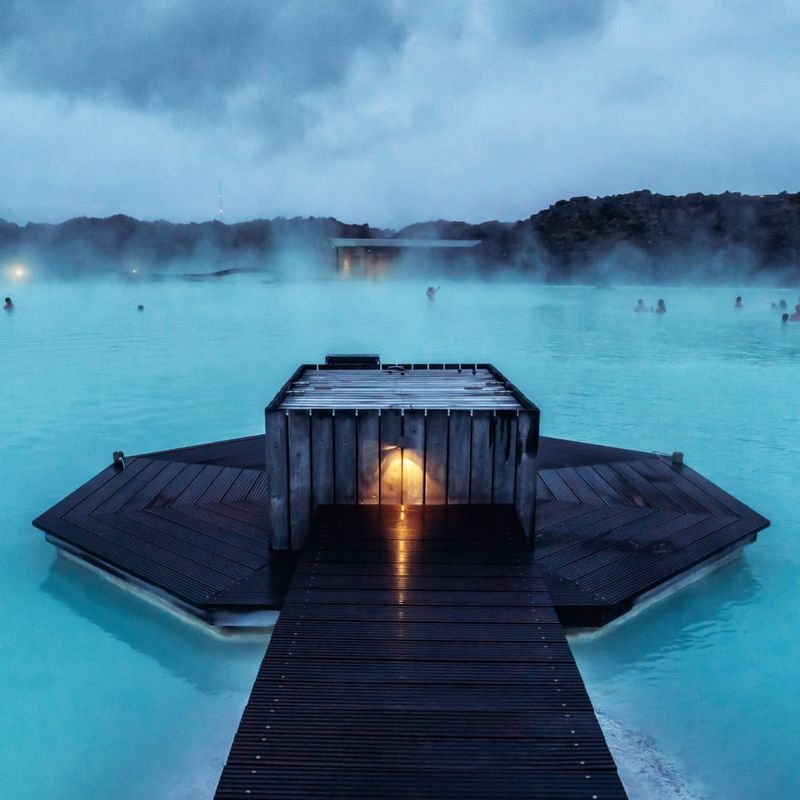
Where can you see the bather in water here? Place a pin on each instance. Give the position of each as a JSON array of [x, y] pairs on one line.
[[640, 306], [432, 290], [8, 305], [738, 303], [661, 308], [796, 316]]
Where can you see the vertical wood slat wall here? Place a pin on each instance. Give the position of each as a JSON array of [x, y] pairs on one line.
[[455, 457]]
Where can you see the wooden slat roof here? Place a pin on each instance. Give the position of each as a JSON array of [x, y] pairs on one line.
[[363, 389]]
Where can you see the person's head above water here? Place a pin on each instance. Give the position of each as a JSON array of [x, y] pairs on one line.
[[738, 301], [782, 304], [8, 303], [784, 317]]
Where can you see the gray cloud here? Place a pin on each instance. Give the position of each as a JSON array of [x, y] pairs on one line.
[[248, 60], [530, 23], [389, 111]]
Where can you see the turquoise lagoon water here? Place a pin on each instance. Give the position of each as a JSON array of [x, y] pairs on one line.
[[106, 696]]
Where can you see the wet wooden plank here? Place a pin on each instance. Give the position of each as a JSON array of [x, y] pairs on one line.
[[527, 454], [321, 457], [436, 425], [299, 446], [368, 457], [344, 456], [481, 458], [504, 446], [278, 468], [413, 457], [451, 694], [391, 427], [458, 469]]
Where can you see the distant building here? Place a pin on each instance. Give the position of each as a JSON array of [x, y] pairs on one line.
[[361, 256]]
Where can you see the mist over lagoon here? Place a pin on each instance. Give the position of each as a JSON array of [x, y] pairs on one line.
[[83, 367]]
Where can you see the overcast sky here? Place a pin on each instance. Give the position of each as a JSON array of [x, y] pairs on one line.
[[389, 111]]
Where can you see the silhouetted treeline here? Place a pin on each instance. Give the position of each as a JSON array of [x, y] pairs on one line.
[[92, 246], [642, 235], [639, 235]]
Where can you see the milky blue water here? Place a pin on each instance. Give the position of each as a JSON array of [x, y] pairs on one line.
[[106, 696]]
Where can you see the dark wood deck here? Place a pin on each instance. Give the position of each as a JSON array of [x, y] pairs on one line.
[[194, 533], [418, 655], [613, 527]]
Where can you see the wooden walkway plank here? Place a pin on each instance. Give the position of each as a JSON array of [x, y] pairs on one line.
[[460, 684]]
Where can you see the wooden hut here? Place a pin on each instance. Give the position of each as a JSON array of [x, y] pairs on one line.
[[356, 431]]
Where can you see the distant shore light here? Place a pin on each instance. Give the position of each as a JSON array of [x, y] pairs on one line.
[[18, 272]]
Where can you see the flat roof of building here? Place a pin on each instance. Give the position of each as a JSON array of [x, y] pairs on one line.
[[471, 387], [404, 242]]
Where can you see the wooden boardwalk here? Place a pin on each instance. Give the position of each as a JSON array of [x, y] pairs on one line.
[[613, 526], [418, 655], [191, 532], [616, 526]]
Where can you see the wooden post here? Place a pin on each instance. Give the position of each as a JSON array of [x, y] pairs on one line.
[[480, 471], [505, 456], [391, 465], [413, 457], [278, 473], [527, 457], [299, 439], [344, 456], [436, 426], [368, 457], [321, 458], [459, 443]]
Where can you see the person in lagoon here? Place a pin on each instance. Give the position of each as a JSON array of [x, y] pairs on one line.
[[661, 308], [738, 303], [782, 305], [796, 316], [8, 305], [140, 307], [640, 306], [784, 317], [432, 290]]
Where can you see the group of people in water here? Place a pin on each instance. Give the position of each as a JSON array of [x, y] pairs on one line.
[[640, 306], [739, 303], [784, 311], [659, 309]]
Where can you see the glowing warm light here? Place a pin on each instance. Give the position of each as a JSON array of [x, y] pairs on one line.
[[401, 564], [402, 472], [18, 272]]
